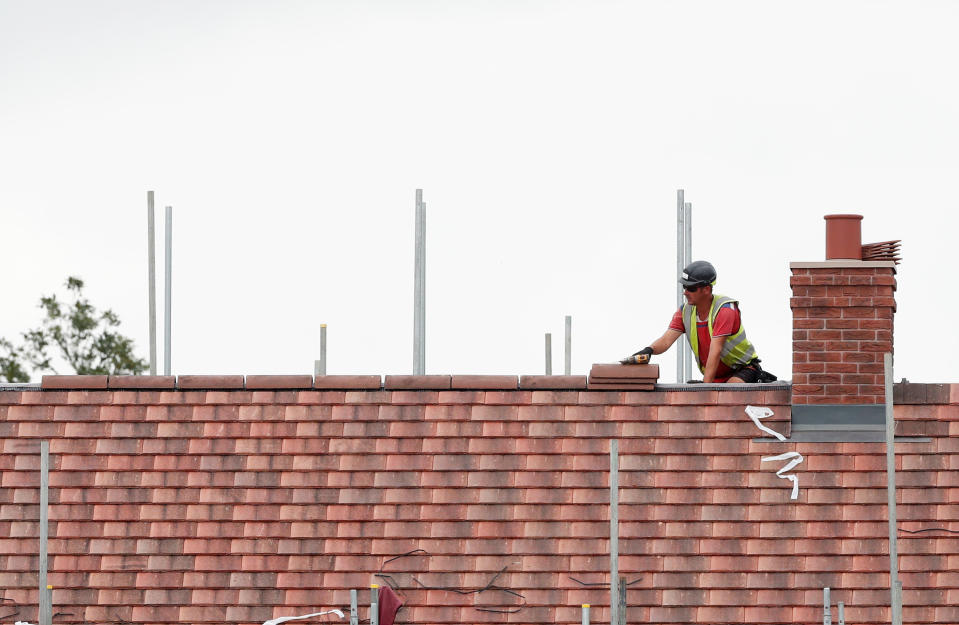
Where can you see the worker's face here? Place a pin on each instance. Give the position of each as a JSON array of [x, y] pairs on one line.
[[698, 296]]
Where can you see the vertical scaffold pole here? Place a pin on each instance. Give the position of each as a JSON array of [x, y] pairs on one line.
[[168, 306], [419, 287], [688, 258], [549, 354], [354, 611], [826, 607], [614, 618], [152, 281], [45, 608], [319, 367], [680, 253], [895, 602]]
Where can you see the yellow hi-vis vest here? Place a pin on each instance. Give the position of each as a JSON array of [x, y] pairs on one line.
[[737, 350]]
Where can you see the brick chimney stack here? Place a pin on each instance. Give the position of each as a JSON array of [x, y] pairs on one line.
[[842, 320]]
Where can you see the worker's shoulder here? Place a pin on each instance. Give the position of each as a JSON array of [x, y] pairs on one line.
[[725, 300]]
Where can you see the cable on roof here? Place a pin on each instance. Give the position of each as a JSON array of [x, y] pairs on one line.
[[14, 607], [604, 584], [392, 583], [929, 529], [475, 591], [403, 555]]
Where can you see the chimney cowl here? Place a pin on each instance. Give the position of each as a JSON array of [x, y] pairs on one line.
[[843, 237]]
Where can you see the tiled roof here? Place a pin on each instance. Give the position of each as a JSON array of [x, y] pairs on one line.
[[231, 504]]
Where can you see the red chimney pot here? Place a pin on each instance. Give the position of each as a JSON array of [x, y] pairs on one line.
[[843, 237]]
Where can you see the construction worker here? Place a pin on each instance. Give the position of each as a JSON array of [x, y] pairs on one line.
[[716, 336]]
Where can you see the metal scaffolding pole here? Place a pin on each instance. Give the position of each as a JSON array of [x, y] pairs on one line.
[[895, 585], [44, 604], [687, 258], [614, 599], [549, 354], [419, 287], [152, 281], [168, 307], [680, 254], [319, 366], [826, 607]]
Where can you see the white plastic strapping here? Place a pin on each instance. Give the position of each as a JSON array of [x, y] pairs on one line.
[[796, 459], [283, 619], [761, 412]]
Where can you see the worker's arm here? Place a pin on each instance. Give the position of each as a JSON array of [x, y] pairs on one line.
[[657, 347], [712, 361], [665, 341]]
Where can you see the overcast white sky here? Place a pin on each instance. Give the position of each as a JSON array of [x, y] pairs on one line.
[[549, 138]]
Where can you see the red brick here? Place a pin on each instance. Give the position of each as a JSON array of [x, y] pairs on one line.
[[73, 382], [203, 382], [859, 312], [876, 324], [809, 346], [257, 382], [824, 378], [844, 324], [843, 346], [825, 356]]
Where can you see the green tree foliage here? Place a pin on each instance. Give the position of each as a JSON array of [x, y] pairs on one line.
[[10, 368], [75, 332]]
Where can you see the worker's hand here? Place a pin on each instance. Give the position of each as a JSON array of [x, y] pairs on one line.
[[639, 358]]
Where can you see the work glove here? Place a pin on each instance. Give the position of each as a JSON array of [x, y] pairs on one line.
[[639, 358]]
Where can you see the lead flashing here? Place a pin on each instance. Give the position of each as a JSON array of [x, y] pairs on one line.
[[725, 386], [845, 264]]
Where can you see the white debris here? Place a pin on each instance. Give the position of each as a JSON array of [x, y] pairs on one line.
[[283, 619], [756, 413], [796, 459]]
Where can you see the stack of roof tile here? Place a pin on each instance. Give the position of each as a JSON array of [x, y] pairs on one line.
[[886, 250], [612, 377]]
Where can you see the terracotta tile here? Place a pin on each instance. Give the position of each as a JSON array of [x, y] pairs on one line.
[[73, 382], [347, 382], [624, 371], [195, 382], [555, 397], [484, 382], [141, 382], [259, 382], [552, 382], [619, 387], [418, 382]]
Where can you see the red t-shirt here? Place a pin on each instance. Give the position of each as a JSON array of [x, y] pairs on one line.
[[726, 324]]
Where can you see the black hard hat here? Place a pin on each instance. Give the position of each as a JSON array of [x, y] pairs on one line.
[[698, 272]]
